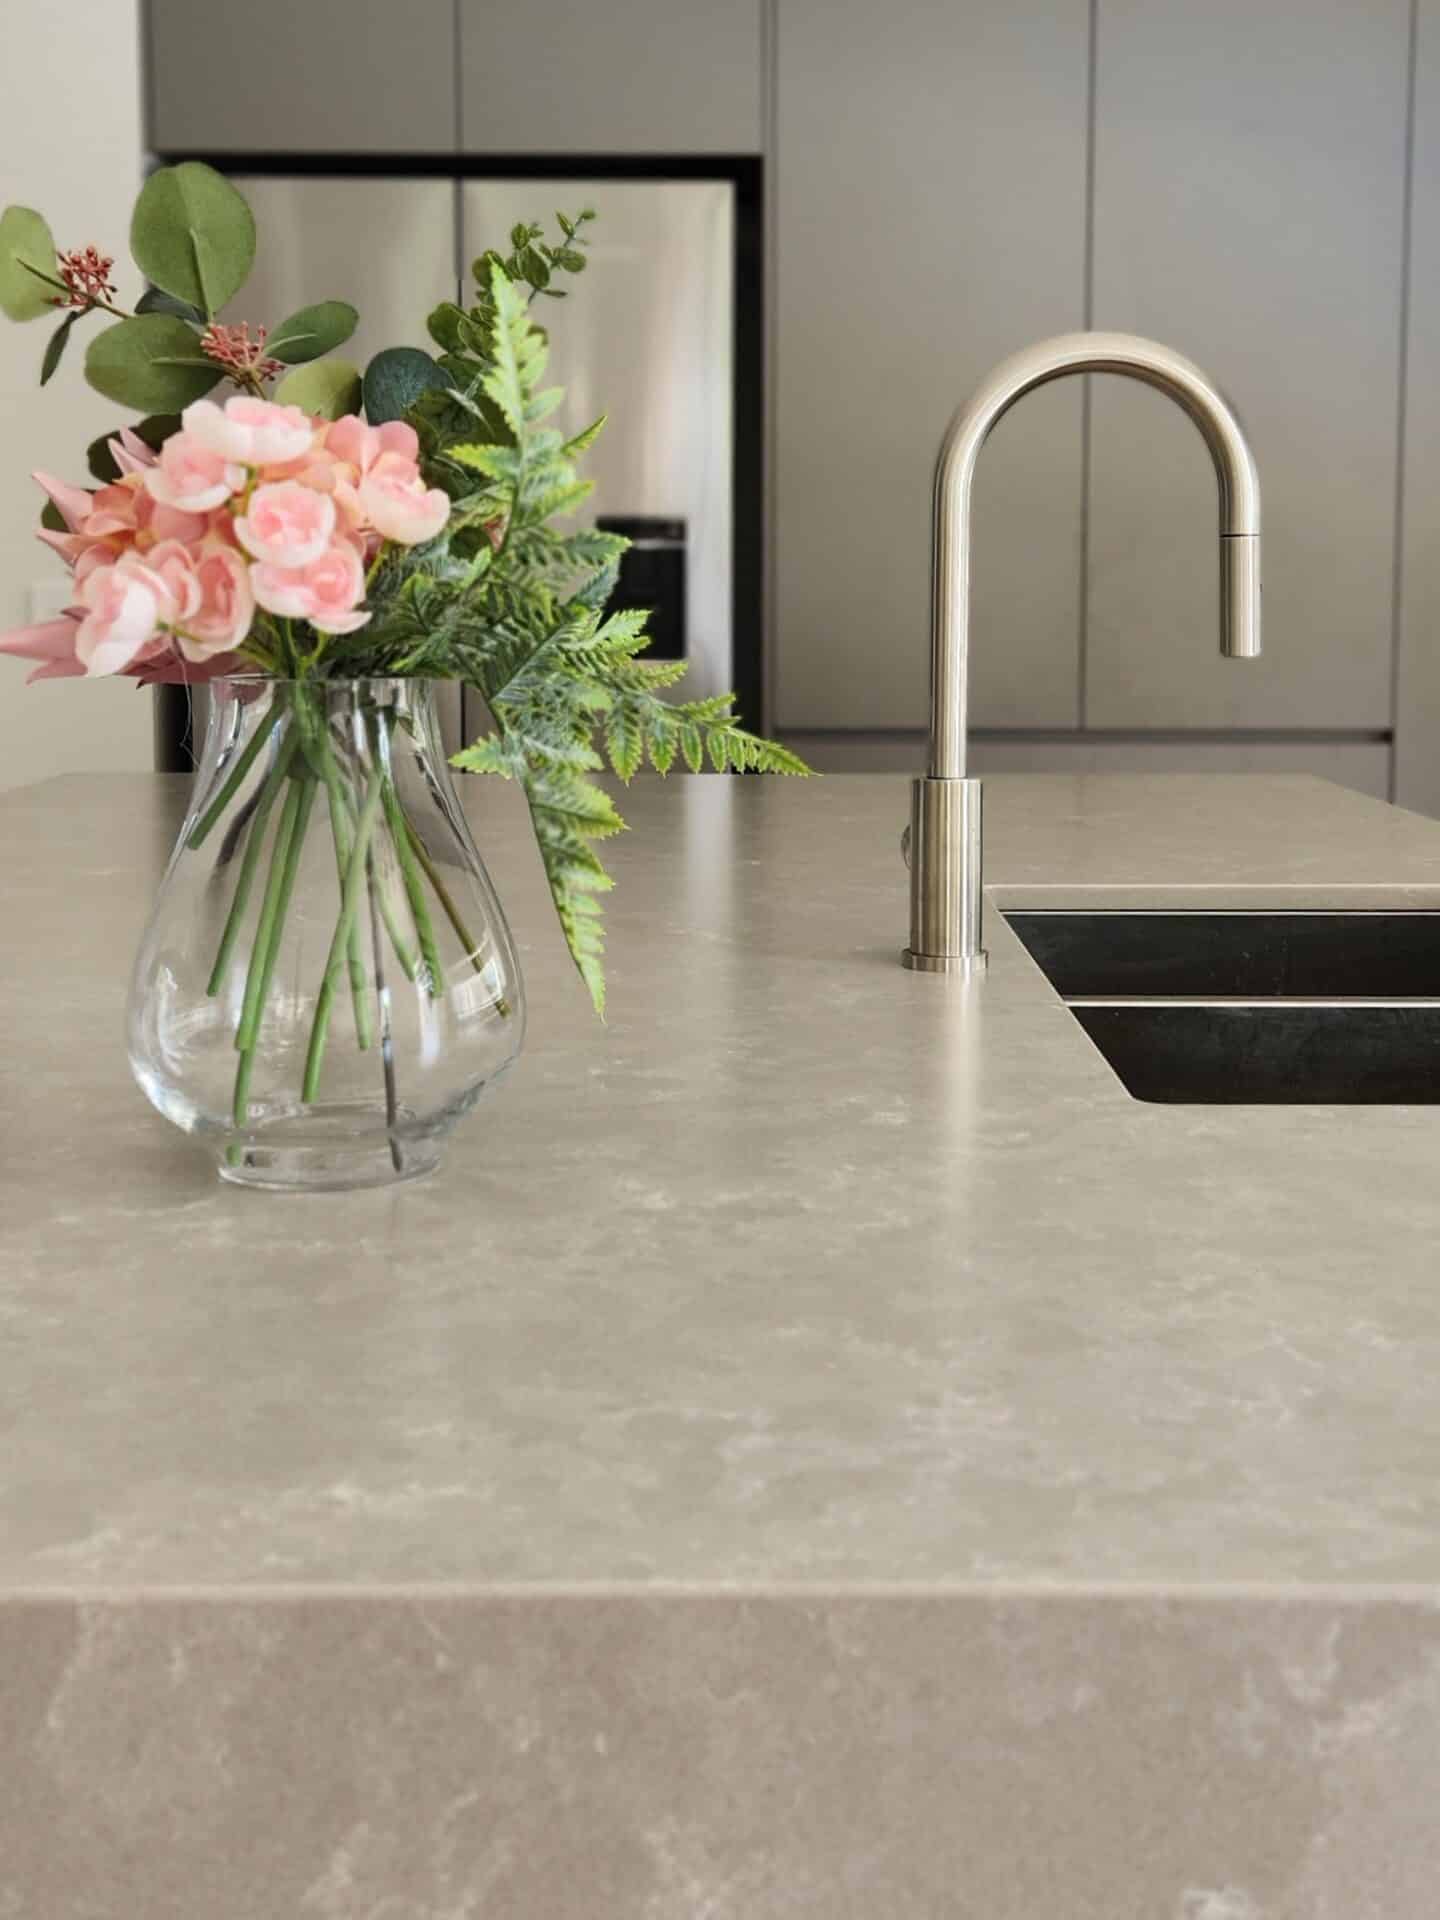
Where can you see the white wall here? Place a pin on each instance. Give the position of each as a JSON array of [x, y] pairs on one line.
[[70, 145]]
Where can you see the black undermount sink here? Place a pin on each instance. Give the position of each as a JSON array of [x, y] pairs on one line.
[[1249, 1008]]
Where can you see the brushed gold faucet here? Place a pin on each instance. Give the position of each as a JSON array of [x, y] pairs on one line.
[[945, 844]]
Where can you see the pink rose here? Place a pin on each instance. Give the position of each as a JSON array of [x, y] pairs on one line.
[[257, 433], [174, 564], [190, 476], [352, 449], [286, 525], [397, 503], [325, 592], [359, 446], [124, 608], [124, 513], [226, 604]]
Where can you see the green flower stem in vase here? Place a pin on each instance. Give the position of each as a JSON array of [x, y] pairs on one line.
[[279, 889], [235, 780], [340, 834], [355, 872], [410, 873], [271, 927], [343, 811], [250, 859]]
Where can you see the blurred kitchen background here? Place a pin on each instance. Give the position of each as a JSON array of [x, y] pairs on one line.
[[821, 222]]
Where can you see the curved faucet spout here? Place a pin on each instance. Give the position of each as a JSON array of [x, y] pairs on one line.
[[1146, 360], [945, 822]]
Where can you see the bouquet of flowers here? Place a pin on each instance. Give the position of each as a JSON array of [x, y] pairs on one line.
[[328, 521], [318, 523]]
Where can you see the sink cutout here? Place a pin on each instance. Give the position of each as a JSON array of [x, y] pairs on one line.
[[1252, 1008]]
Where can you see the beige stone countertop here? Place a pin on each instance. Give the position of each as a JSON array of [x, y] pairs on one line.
[[816, 1432]]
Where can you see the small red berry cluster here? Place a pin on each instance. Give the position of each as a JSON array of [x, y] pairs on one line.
[[233, 349], [86, 273]]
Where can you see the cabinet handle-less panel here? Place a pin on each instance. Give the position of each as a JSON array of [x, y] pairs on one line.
[[632, 76], [1417, 718], [1249, 192], [931, 219], [301, 76]]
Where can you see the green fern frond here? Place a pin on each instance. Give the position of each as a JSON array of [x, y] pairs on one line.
[[524, 621]]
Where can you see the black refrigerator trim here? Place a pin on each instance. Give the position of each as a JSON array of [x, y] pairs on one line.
[[746, 173]]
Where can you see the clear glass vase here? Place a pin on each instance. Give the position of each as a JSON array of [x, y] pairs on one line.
[[327, 983]]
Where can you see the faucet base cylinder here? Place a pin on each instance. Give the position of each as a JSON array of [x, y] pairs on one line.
[[966, 966], [945, 877]]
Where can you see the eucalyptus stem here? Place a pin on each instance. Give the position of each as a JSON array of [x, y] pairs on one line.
[[280, 887], [359, 996], [245, 879], [237, 773], [349, 902], [410, 873]]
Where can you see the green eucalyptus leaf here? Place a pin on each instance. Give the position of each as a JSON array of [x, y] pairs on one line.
[[327, 387], [55, 346], [52, 519], [154, 430], [152, 363], [446, 327], [156, 300], [193, 235], [312, 331], [27, 263], [395, 380]]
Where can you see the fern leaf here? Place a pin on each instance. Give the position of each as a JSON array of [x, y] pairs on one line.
[[625, 741], [505, 382], [585, 439], [661, 738], [560, 500], [498, 463], [768, 756]]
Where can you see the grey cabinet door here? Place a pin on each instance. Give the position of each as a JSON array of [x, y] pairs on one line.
[[301, 76], [1249, 200], [1417, 716], [930, 219], [632, 76]]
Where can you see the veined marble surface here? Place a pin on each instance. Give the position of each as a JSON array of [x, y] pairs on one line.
[[818, 1447]]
